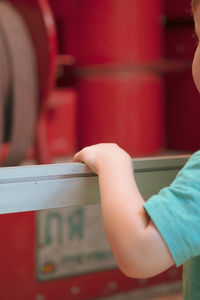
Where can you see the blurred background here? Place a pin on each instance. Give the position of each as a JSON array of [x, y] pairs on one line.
[[74, 73]]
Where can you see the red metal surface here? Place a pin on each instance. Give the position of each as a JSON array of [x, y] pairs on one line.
[[123, 107], [114, 31], [180, 42], [182, 110], [18, 276], [18, 231], [61, 122], [61, 11], [183, 101], [177, 8], [60, 8]]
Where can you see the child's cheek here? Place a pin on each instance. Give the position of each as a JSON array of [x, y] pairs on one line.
[[196, 68]]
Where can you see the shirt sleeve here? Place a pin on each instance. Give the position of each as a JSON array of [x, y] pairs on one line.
[[175, 211]]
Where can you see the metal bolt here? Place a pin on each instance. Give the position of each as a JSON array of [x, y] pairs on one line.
[[39, 297], [75, 290], [173, 273], [142, 281], [112, 285], [180, 48]]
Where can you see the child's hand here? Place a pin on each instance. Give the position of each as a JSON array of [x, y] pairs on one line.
[[95, 156]]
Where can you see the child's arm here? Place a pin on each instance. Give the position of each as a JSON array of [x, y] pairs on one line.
[[137, 245]]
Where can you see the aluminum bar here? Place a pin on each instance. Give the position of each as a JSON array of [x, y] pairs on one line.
[[38, 187]]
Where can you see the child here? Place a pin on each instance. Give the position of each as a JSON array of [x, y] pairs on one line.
[[149, 237]]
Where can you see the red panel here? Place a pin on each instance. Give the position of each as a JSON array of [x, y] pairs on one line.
[[114, 31], [177, 8], [61, 121], [60, 8], [61, 11], [183, 106], [180, 42], [183, 100], [125, 108], [18, 276]]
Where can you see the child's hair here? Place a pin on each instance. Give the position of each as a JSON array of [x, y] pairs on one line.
[[195, 3]]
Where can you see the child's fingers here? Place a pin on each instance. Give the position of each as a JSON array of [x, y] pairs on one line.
[[77, 157]]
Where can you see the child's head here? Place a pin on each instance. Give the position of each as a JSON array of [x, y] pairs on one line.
[[196, 60]]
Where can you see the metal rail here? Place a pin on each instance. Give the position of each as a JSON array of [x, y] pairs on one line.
[[41, 187]]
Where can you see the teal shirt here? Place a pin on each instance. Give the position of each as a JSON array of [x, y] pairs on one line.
[[176, 213]]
